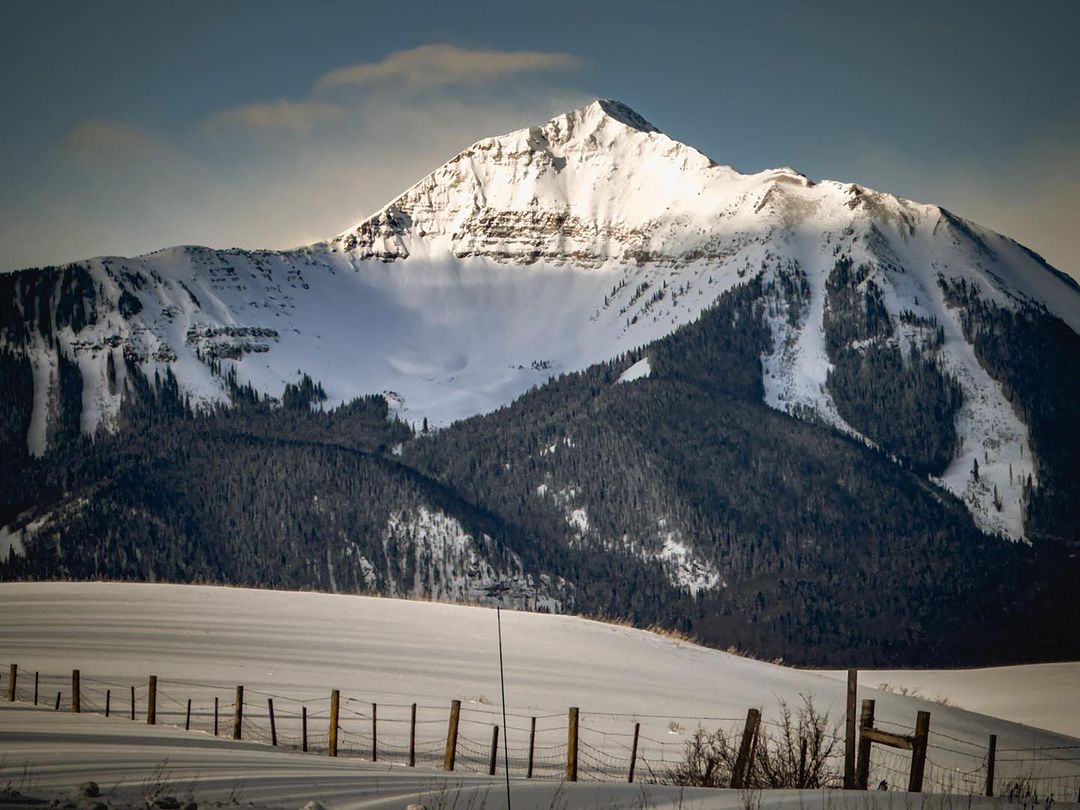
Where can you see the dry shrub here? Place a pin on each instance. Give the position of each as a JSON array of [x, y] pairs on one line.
[[778, 759], [709, 759]]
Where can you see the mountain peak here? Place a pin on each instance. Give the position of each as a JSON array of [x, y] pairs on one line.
[[619, 112], [598, 121]]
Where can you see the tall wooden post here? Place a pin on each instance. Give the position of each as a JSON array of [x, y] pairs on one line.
[[919, 743], [572, 745], [238, 715], [76, 692], [633, 752], [747, 781], [374, 732], [849, 731], [746, 749], [412, 737], [862, 769], [802, 763], [494, 758], [303, 729], [215, 716], [13, 677], [187, 716], [108, 701], [451, 736], [273, 725], [532, 747], [133, 703], [991, 756], [151, 701], [335, 705]]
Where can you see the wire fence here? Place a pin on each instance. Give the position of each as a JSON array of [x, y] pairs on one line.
[[609, 746]]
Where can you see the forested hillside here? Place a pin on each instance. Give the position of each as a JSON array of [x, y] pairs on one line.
[[678, 498]]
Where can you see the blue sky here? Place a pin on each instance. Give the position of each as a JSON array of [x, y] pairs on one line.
[[129, 126]]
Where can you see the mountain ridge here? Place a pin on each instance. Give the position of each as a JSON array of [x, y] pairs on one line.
[[556, 261]]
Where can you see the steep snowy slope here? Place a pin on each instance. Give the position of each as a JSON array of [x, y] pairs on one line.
[[535, 253]]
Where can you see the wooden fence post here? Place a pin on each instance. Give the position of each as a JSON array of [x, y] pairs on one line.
[[273, 725], [918, 751], [36, 687], [133, 703], [802, 764], [849, 735], [108, 700], [572, 744], [633, 752], [451, 736], [335, 704], [532, 747], [151, 701], [76, 692], [13, 676], [374, 732], [991, 756], [215, 716], [746, 749], [303, 729], [57, 706], [412, 737], [862, 770], [494, 758], [187, 716], [747, 779], [238, 715]]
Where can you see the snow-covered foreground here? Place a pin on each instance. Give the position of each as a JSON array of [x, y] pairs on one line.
[[126, 759], [202, 641]]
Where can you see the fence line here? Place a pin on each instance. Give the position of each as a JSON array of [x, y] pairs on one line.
[[608, 746]]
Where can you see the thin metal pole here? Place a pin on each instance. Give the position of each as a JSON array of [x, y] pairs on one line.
[[502, 687]]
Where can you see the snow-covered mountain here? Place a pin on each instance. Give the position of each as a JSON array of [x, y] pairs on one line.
[[543, 251]]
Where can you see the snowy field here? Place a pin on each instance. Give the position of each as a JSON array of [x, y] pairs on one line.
[[295, 648]]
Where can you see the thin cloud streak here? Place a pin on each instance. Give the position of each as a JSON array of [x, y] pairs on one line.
[[425, 68], [300, 117], [440, 65]]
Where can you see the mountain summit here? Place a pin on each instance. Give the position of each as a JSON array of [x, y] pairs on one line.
[[591, 185]]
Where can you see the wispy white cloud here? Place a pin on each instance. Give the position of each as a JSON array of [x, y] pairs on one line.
[[299, 117], [409, 71], [440, 65]]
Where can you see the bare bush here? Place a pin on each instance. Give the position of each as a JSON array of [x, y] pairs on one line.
[[779, 760], [709, 761], [778, 754]]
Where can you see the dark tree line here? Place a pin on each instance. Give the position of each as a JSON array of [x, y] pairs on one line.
[[901, 400]]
